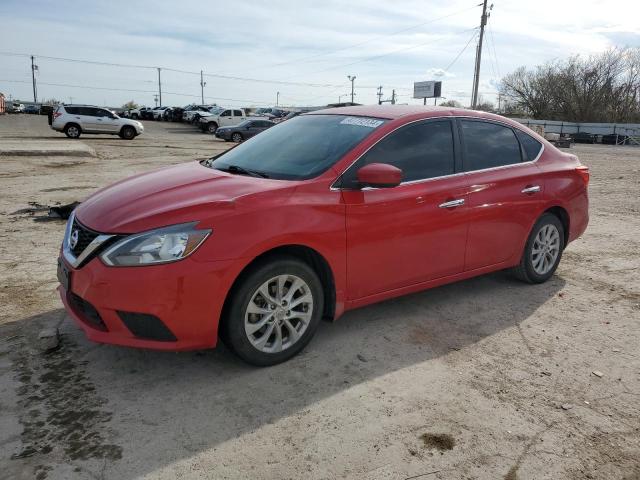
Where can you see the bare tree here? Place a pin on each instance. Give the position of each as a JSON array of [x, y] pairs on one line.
[[451, 103], [599, 88]]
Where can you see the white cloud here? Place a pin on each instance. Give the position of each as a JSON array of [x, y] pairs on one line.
[[253, 39]]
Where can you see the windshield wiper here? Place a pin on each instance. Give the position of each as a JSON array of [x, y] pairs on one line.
[[243, 171]]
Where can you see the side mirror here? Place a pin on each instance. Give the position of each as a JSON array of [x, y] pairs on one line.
[[379, 175]]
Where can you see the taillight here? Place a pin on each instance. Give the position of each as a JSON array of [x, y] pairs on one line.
[[57, 114], [584, 174]]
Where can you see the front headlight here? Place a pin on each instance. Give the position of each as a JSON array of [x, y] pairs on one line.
[[163, 245]]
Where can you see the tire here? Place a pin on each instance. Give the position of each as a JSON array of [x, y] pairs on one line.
[[72, 130], [128, 132], [237, 137], [533, 269], [212, 127], [237, 319]]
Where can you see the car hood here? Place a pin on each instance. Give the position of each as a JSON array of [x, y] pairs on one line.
[[179, 194]]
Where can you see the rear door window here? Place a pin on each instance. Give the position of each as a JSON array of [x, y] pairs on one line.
[[226, 113], [89, 111], [237, 113], [488, 145], [532, 147], [421, 150]]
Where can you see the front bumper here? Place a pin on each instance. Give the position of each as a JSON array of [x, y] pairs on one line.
[[186, 297], [224, 134]]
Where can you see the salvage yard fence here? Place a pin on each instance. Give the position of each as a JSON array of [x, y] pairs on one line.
[[629, 131]]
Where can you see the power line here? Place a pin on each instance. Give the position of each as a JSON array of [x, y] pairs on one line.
[[475, 33], [89, 87], [212, 75], [348, 47], [375, 57], [493, 46]]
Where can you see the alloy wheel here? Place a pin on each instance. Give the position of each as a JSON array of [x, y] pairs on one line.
[[278, 313], [545, 249]]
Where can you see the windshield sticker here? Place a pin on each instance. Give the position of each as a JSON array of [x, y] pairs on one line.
[[362, 122]]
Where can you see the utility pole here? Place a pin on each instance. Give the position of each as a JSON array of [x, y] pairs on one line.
[[34, 67], [379, 95], [277, 98], [155, 99], [476, 75], [159, 87], [351, 79], [393, 97], [202, 84]]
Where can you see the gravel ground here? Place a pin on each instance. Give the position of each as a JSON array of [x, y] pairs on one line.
[[487, 378]]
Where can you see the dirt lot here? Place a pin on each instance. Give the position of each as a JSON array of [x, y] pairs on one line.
[[487, 378]]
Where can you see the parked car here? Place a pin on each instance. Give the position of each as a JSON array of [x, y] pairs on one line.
[[321, 214], [175, 115], [158, 112], [135, 113], [244, 130], [146, 113], [14, 107], [584, 137], [288, 116], [47, 109], [32, 109], [614, 139], [221, 118], [194, 111], [74, 120]]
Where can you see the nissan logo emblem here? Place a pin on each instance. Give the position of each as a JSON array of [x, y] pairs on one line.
[[73, 241]]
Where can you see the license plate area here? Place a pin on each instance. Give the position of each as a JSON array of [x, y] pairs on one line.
[[64, 275]]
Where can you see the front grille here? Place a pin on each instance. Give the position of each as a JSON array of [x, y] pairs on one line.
[[86, 311], [85, 237]]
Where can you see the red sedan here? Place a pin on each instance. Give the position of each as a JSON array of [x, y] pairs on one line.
[[321, 214]]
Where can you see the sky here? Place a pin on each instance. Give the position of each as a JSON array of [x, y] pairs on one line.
[[251, 50]]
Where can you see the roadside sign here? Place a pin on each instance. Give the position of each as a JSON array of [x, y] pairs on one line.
[[428, 89]]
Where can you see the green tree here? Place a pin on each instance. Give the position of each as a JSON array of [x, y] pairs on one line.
[[130, 105]]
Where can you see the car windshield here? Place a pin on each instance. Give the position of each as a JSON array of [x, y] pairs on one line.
[[299, 149]]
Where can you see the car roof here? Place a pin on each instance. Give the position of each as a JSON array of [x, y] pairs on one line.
[[415, 112]]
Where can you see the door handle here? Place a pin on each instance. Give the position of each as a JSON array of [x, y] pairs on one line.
[[452, 203], [532, 189]]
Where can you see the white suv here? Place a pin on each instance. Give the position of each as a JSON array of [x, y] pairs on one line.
[[74, 120], [209, 122]]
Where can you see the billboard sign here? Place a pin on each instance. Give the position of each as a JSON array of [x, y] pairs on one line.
[[428, 89]]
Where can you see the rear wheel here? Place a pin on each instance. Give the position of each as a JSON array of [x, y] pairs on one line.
[[72, 130], [236, 137], [274, 311], [542, 251], [128, 132]]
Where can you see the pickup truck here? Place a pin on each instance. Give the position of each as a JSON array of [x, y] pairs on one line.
[[223, 118]]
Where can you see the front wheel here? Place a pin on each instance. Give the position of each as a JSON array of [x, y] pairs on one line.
[[274, 311], [72, 131], [212, 127], [128, 133], [542, 251]]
